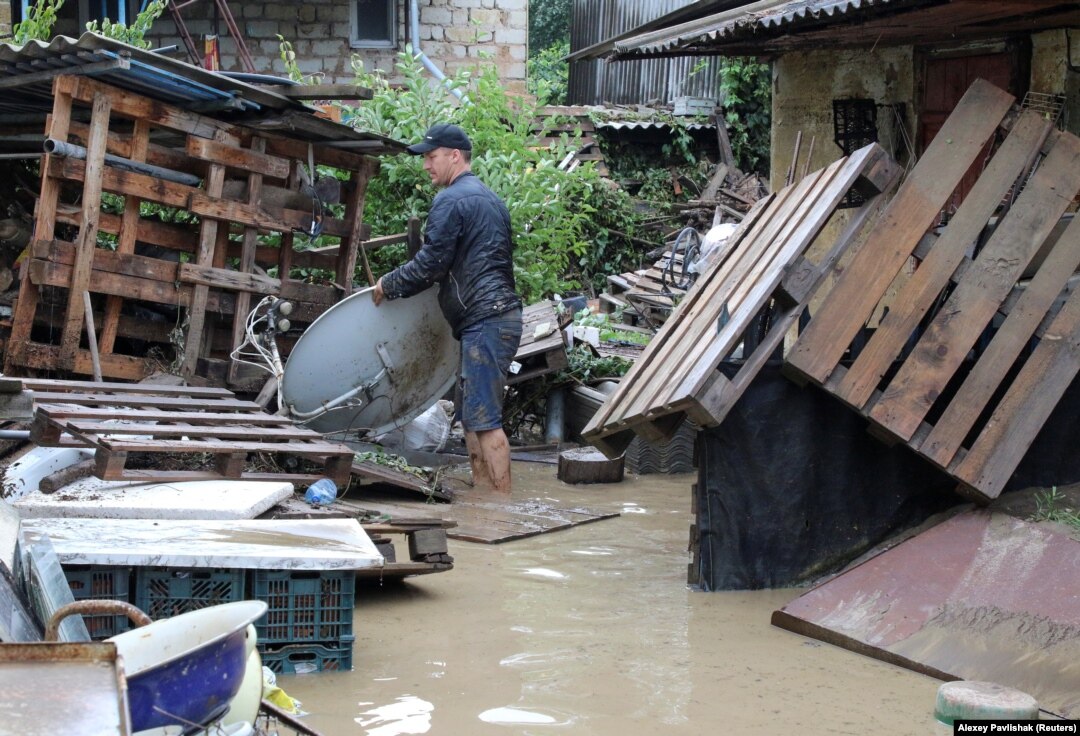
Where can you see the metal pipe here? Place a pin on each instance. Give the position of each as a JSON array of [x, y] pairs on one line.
[[70, 150], [414, 40], [14, 434]]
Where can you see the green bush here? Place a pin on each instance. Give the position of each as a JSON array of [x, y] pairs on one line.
[[562, 221]]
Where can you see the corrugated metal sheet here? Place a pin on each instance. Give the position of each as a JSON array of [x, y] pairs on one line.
[[753, 18], [27, 72], [595, 82]]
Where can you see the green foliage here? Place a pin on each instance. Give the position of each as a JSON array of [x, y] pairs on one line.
[[548, 74], [130, 34], [1050, 507], [38, 23], [609, 331], [292, 69], [549, 24], [561, 221], [584, 366], [747, 88]]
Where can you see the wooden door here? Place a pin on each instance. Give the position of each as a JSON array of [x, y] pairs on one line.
[[944, 82]]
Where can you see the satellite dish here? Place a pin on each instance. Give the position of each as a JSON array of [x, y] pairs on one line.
[[365, 370]]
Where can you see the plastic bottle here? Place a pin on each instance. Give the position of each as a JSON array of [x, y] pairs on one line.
[[322, 492]]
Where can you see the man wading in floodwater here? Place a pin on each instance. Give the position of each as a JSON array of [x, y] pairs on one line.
[[468, 251]]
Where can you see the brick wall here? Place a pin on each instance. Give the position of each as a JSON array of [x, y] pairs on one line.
[[454, 34], [5, 20]]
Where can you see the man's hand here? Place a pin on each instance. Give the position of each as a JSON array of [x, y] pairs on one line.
[[378, 295]]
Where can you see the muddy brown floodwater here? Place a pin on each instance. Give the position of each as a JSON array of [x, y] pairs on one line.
[[593, 630]]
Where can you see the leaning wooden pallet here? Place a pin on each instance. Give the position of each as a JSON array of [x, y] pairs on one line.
[[975, 418], [234, 180], [676, 376]]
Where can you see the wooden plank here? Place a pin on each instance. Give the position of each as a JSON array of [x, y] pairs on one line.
[[707, 340], [46, 357], [211, 207], [916, 204], [247, 261], [292, 447], [353, 245], [117, 399], [941, 445], [254, 161], [223, 278], [88, 233], [62, 412], [204, 256], [129, 228], [132, 105], [296, 149], [972, 304], [326, 92], [22, 321], [718, 395], [796, 242], [56, 385], [1026, 406], [918, 295], [126, 183], [597, 426]]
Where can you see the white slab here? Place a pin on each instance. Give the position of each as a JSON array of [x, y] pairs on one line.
[[287, 544], [23, 475], [93, 498]]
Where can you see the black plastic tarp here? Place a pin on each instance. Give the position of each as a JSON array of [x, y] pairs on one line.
[[792, 486]]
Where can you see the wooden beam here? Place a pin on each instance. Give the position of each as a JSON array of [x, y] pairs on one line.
[[326, 92], [87, 240], [253, 161]]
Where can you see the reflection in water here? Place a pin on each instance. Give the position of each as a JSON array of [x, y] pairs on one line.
[[514, 717], [408, 715], [543, 572], [594, 552]]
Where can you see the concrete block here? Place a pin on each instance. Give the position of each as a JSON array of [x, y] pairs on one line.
[[425, 542], [511, 35]]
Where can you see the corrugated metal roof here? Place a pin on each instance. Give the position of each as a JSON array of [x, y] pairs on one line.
[[28, 71], [770, 27], [649, 125], [750, 19]]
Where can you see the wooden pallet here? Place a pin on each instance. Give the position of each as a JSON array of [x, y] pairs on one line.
[[676, 376], [542, 349], [933, 396], [118, 420]]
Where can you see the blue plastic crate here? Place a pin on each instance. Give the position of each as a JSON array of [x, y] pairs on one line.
[[98, 582], [164, 592], [300, 659], [305, 605]]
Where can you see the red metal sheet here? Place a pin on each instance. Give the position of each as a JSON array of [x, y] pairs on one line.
[[982, 596]]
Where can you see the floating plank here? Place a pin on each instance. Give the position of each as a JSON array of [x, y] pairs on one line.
[[981, 596]]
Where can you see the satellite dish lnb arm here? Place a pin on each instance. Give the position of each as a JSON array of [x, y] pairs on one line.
[[334, 403]]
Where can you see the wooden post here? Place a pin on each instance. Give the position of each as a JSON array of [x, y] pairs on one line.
[[354, 215], [247, 261], [88, 232], [129, 226], [91, 335], [22, 321], [204, 256]]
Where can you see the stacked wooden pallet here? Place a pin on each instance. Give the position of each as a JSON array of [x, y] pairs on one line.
[[995, 355], [199, 275], [121, 420], [764, 270], [542, 349]]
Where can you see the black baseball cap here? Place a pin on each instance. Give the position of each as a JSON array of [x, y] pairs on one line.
[[441, 135]]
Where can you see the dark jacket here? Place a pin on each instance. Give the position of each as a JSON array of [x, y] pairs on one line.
[[467, 250]]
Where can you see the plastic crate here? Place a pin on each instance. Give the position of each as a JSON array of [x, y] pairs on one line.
[[305, 605], [165, 592], [301, 659], [98, 582]]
